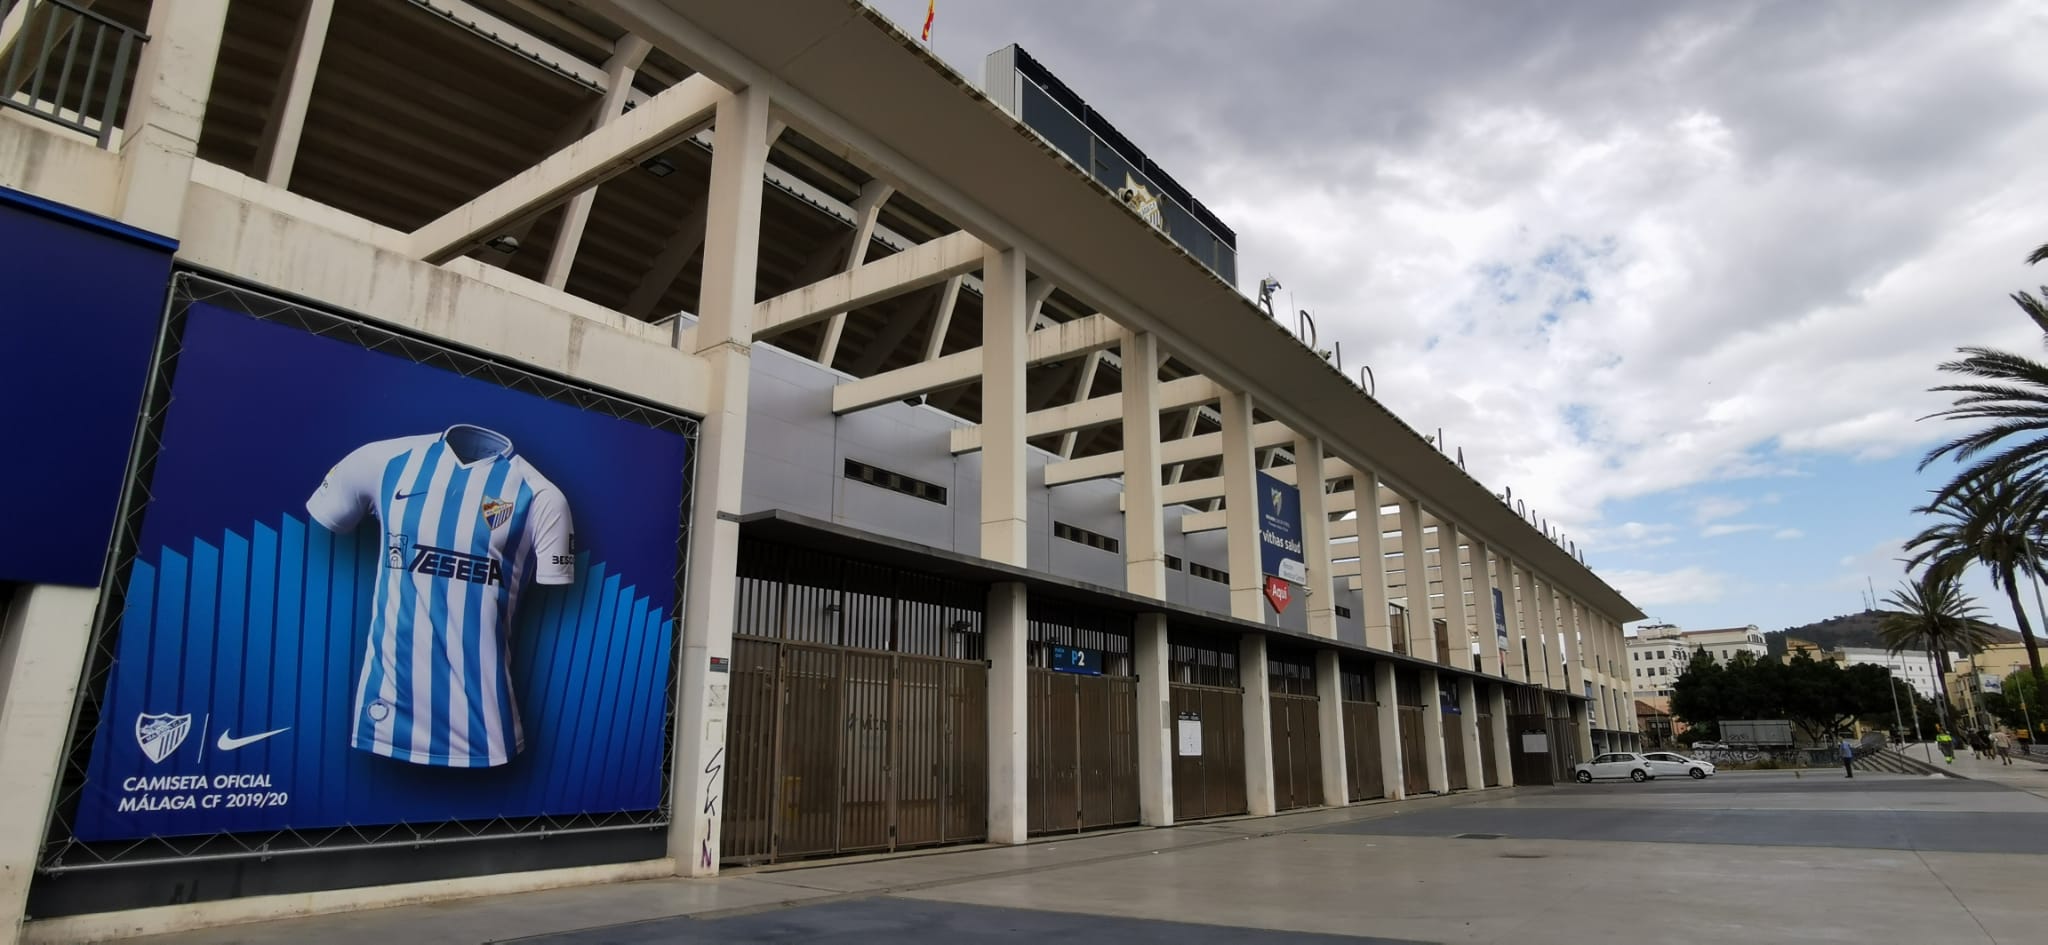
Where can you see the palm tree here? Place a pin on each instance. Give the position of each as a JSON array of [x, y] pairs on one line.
[[2007, 458], [1993, 523], [1931, 614]]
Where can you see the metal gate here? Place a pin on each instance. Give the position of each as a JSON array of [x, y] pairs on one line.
[[1564, 740], [1454, 735], [1361, 735], [858, 709], [1414, 751], [1297, 730], [1489, 764], [1529, 746], [1083, 758], [1208, 712]]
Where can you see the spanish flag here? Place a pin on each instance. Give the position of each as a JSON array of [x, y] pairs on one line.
[[931, 9]]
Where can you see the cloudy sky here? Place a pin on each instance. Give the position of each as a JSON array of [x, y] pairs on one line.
[[1679, 274]]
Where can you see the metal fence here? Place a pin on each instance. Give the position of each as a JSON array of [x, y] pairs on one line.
[[65, 63]]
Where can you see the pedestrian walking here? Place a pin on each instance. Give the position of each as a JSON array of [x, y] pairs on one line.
[[2002, 744], [1980, 745], [1947, 744], [1848, 758]]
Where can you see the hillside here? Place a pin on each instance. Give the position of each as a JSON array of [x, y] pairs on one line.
[[1858, 629]]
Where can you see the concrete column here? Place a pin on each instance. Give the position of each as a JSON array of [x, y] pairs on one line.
[[1390, 729], [1330, 722], [1468, 731], [1582, 723], [1433, 733], [279, 148], [1315, 540], [160, 136], [1372, 562], [1258, 723], [44, 635], [1005, 322], [1457, 626], [1546, 628], [1006, 633], [1415, 575], [1503, 750], [1568, 628], [1491, 659], [1241, 515], [619, 70], [1144, 516], [724, 340], [1516, 664], [1156, 742]]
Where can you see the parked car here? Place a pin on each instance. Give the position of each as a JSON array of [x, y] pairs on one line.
[[1675, 765], [1614, 764]]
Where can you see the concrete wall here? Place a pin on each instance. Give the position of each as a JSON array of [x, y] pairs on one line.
[[796, 458]]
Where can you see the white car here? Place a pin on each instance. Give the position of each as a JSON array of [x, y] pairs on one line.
[[1614, 764], [1675, 765]]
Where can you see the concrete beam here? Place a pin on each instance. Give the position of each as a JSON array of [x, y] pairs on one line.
[[914, 268], [1053, 343], [286, 119], [1171, 452], [675, 113], [627, 55], [1094, 412], [868, 206]]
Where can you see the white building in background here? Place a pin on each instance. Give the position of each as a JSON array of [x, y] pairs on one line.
[[1657, 654], [1915, 669]]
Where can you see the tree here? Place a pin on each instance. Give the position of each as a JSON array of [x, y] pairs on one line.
[[1817, 696], [2019, 703], [1931, 614], [1994, 523], [2009, 394]]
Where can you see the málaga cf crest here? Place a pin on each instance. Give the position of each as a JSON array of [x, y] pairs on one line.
[[160, 735], [496, 511]]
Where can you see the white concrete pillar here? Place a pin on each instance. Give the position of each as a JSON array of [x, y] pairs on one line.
[[44, 635], [1156, 742], [1552, 673], [279, 149], [1503, 749], [1492, 661], [1241, 516], [1582, 723], [160, 135], [619, 70], [1574, 656], [724, 340], [1253, 671], [1321, 589], [1468, 732], [1389, 715], [1372, 562], [1457, 627], [1415, 576], [1330, 723], [1007, 630], [1433, 733], [1005, 322], [1513, 580], [1144, 515]]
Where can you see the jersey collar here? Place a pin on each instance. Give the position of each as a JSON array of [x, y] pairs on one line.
[[490, 445]]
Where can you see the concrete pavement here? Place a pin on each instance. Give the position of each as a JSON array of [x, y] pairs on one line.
[[1752, 856]]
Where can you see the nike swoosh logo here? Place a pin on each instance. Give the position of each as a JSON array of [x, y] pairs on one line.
[[408, 495], [230, 743]]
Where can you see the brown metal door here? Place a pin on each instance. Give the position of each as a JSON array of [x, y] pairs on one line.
[[1526, 732], [1454, 752], [1414, 756], [1082, 764], [1297, 753], [1489, 767], [1211, 783], [1362, 750]]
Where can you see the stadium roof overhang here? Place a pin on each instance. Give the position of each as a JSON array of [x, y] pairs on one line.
[[842, 74]]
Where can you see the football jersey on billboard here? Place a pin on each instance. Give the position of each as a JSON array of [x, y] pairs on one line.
[[464, 520]]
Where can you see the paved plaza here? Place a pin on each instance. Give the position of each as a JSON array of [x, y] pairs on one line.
[[1761, 857]]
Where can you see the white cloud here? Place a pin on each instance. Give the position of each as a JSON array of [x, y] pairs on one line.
[[1788, 534], [1688, 585], [1730, 528], [1717, 507]]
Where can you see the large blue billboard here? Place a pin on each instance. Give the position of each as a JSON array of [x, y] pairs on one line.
[[374, 587], [1280, 530], [81, 301]]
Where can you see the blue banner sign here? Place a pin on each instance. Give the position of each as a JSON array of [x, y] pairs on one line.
[[1073, 659], [1280, 530], [369, 591]]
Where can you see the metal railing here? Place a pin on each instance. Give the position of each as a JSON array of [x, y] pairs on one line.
[[64, 63]]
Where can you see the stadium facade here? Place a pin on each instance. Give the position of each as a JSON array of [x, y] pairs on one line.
[[472, 446]]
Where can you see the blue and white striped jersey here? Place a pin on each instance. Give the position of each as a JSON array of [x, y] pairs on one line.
[[464, 520]]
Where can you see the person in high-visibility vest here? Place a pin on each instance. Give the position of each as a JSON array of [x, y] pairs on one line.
[[1947, 744]]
